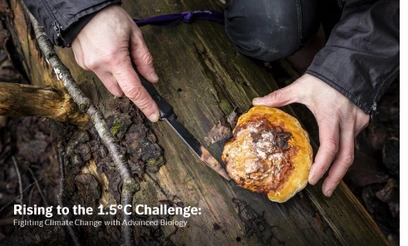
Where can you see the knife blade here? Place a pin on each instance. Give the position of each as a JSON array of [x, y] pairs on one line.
[[168, 115]]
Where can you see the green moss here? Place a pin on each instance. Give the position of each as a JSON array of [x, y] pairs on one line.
[[153, 162], [116, 127], [225, 106]]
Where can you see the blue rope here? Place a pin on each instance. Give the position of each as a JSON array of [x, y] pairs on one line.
[[187, 17]]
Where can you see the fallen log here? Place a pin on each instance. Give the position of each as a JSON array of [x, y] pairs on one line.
[[204, 79]]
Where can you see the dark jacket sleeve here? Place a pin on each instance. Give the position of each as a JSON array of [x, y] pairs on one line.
[[64, 19], [361, 57]]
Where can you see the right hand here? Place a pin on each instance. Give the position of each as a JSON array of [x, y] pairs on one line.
[[107, 46]]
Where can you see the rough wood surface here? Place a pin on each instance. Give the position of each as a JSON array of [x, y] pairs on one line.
[[28, 100], [204, 79]]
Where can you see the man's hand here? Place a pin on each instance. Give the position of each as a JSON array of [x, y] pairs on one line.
[[339, 120], [107, 46]]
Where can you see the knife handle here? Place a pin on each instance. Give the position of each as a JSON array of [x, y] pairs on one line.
[[165, 108]]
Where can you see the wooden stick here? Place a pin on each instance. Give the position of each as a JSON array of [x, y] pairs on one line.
[[20, 182], [38, 187], [28, 100]]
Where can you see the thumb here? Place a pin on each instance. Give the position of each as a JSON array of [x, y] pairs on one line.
[[278, 98]]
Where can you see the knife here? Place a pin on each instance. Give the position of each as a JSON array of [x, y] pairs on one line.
[[167, 114]]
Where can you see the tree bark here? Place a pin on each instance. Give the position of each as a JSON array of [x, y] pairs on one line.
[[204, 78]]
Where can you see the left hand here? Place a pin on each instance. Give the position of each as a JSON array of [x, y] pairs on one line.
[[339, 121]]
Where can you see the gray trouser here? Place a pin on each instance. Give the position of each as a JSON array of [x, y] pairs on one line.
[[270, 29]]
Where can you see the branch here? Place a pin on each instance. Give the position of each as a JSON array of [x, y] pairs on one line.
[[38, 186], [20, 182], [17, 100], [129, 184]]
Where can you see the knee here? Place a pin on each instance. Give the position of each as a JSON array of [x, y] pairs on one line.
[[270, 29]]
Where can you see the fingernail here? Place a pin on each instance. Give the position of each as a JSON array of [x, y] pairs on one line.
[[257, 100], [154, 117], [312, 179], [329, 193], [154, 77]]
